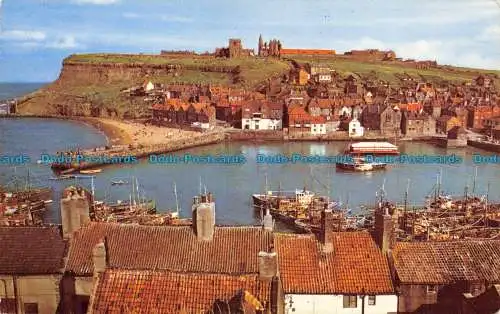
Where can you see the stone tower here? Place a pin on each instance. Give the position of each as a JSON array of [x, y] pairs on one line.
[[234, 48]]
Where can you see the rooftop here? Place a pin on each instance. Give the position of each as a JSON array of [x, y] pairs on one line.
[[31, 250], [446, 262], [356, 265], [123, 291], [233, 250]]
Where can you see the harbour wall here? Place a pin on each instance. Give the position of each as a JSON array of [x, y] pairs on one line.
[[492, 147]]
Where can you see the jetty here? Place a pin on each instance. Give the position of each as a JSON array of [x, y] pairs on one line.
[[137, 151]]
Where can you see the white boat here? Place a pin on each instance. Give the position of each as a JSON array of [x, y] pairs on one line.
[[372, 148], [360, 149], [91, 171], [118, 182]]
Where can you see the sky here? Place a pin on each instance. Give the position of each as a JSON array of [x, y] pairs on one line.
[[36, 35]]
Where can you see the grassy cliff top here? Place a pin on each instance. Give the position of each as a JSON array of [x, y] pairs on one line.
[[388, 71], [252, 70]]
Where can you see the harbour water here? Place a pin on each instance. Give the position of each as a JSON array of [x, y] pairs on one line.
[[232, 185]]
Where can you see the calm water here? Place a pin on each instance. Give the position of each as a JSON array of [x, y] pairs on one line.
[[10, 90], [232, 185]]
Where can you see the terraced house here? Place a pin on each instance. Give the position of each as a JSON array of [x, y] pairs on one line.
[[336, 272]]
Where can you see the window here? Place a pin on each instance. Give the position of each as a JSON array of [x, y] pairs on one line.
[[371, 300], [31, 308], [431, 289], [350, 301]]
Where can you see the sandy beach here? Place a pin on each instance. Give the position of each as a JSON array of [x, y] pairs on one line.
[[126, 133]]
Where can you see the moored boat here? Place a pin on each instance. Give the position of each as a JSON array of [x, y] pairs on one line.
[[91, 171], [361, 150]]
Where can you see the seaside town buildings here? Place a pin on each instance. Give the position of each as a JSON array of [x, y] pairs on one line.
[[331, 103], [326, 107]]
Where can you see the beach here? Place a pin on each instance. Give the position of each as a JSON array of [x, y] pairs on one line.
[[133, 133]]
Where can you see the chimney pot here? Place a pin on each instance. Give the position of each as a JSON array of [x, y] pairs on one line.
[[99, 257], [268, 265], [326, 233]]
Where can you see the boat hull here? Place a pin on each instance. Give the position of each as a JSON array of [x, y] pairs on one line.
[[361, 167]]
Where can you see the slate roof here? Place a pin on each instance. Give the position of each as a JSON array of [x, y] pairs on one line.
[[447, 262], [233, 250], [356, 264], [119, 291], [31, 250]]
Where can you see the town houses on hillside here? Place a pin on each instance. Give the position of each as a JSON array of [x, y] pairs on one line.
[[317, 99]]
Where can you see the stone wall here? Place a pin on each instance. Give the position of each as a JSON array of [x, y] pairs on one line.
[[42, 290]]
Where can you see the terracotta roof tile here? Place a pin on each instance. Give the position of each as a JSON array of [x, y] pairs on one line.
[[445, 262], [356, 264], [233, 250], [31, 250], [121, 291]]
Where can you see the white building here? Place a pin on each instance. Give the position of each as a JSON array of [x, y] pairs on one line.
[[355, 128], [262, 115], [257, 122], [323, 78], [148, 86], [339, 272], [318, 125], [346, 111], [4, 109]]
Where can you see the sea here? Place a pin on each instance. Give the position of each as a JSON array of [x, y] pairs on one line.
[[233, 184]]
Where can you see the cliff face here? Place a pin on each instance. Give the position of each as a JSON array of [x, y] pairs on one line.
[[98, 73], [74, 92]]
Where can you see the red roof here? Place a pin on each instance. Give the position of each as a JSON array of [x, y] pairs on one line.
[[31, 250], [447, 262], [119, 291], [355, 265], [232, 250]]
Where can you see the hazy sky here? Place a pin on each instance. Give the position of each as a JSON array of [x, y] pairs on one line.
[[37, 34]]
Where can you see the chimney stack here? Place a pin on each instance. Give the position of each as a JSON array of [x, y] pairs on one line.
[[100, 257], [268, 265], [75, 211], [326, 233], [384, 228], [268, 222], [203, 212]]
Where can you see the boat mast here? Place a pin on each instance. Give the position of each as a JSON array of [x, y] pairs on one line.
[[92, 188], [200, 185], [486, 206], [176, 199], [133, 192], [266, 186], [137, 192], [474, 182]]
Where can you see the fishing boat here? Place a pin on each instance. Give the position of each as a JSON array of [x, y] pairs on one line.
[[63, 177], [362, 154], [118, 182], [361, 164], [91, 171]]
